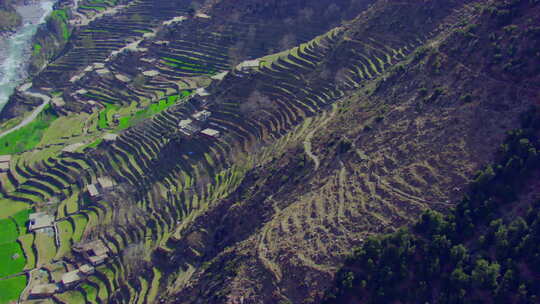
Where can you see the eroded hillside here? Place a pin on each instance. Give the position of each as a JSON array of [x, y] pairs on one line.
[[209, 154]]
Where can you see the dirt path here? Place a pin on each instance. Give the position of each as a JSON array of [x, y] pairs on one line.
[[307, 140], [46, 99]]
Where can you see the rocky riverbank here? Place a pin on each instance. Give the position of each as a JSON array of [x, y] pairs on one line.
[[16, 46]]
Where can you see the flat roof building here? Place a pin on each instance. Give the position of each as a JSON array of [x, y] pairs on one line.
[[105, 183], [71, 278], [202, 115], [248, 65], [40, 220], [110, 137], [95, 252], [86, 269], [211, 133], [4, 162], [188, 127], [93, 191], [5, 158]]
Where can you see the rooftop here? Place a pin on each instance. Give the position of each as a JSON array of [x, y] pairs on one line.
[[96, 248], [71, 277], [105, 182], [110, 137], [211, 132], [92, 190], [202, 92], [151, 73], [202, 115], [5, 158], [185, 122], [249, 64], [40, 220], [220, 76], [86, 269]]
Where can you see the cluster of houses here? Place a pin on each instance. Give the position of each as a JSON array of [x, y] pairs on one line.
[[92, 253], [95, 191], [194, 125]]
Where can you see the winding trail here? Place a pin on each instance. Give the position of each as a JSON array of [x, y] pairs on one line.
[[46, 100], [307, 140]]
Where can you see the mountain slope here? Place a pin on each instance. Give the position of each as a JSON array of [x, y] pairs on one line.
[[408, 141], [337, 132]]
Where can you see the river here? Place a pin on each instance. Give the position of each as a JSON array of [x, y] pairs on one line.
[[15, 49]]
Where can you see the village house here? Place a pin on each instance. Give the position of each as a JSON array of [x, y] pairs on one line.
[[106, 183], [93, 192], [87, 269], [40, 220], [202, 115], [248, 65], [94, 252], [71, 278], [188, 127], [210, 133], [4, 162], [110, 137]]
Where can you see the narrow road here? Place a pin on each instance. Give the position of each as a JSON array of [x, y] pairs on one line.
[[46, 99]]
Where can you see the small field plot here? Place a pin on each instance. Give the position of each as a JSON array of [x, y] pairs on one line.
[[11, 259], [11, 288]]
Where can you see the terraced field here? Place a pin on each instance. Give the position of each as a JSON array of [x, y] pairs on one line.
[[165, 179], [124, 112]]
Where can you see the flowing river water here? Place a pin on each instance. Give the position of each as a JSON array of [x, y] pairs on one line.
[[15, 49]]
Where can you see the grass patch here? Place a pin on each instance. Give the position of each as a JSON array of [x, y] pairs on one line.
[[10, 208], [151, 110], [26, 242], [28, 136], [46, 248], [65, 229], [10, 289], [80, 222], [8, 264], [8, 231], [95, 143], [105, 116], [37, 49]]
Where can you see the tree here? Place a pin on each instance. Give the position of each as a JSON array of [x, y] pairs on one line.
[[485, 274]]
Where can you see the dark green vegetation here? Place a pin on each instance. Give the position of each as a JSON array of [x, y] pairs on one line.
[[486, 250], [30, 135]]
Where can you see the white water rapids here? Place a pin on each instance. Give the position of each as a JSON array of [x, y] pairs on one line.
[[15, 49]]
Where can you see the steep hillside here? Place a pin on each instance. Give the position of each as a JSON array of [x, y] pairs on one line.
[[484, 250], [410, 140], [236, 151]]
